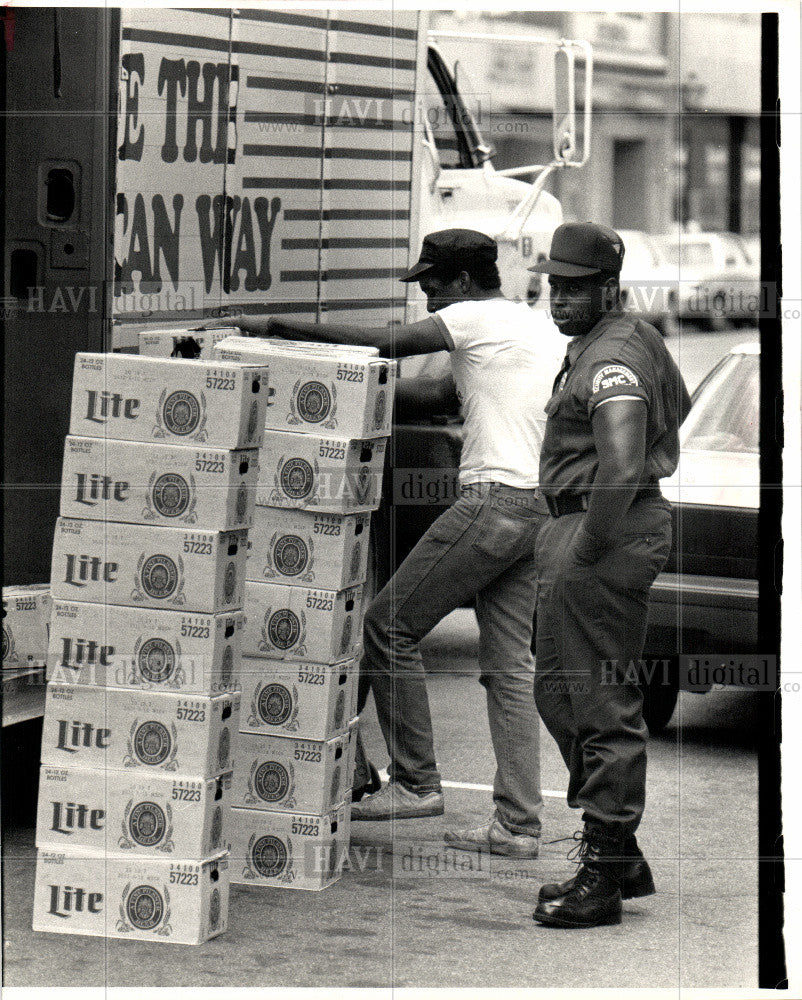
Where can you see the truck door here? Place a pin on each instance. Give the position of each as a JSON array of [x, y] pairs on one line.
[[59, 88]]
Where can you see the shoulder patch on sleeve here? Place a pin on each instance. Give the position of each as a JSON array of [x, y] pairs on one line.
[[614, 377]]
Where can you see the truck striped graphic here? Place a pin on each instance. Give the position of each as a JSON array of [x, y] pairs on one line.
[[265, 164]]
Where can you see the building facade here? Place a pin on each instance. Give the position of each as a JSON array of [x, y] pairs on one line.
[[675, 136]]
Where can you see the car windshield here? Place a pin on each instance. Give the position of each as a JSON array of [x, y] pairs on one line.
[[726, 412]]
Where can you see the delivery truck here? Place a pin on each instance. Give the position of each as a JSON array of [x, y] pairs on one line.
[[168, 167]]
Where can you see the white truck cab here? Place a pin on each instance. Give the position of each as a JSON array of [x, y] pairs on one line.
[[459, 186]]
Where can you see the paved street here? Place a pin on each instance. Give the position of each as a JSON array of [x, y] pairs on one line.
[[410, 913]]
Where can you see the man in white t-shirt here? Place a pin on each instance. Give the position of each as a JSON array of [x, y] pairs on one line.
[[504, 356]]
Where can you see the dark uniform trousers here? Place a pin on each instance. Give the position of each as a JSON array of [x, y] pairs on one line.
[[591, 626]]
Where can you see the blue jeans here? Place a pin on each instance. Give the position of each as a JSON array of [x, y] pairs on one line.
[[482, 547]]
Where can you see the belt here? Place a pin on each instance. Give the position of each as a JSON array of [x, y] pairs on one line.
[[575, 503]]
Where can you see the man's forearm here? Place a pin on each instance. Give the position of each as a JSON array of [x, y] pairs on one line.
[[324, 333], [423, 337], [610, 498]]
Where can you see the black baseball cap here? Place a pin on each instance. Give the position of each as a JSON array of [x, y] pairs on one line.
[[579, 249], [454, 249]]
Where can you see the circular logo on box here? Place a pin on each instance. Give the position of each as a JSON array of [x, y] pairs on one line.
[[335, 784], [227, 666], [356, 559], [339, 710], [252, 418], [283, 628], [181, 412], [216, 831], [156, 660], [230, 583], [171, 495], [214, 910], [297, 478], [152, 743], [380, 410], [314, 402], [159, 576], [271, 781], [269, 856], [224, 747], [145, 907], [147, 824], [290, 555], [274, 704], [348, 627], [242, 502], [363, 483]]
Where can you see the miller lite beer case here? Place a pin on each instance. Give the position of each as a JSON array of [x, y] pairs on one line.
[[320, 473], [154, 815], [301, 623], [292, 774], [26, 624], [111, 646], [158, 484], [309, 700], [182, 343], [172, 400], [289, 850], [308, 549], [142, 899], [345, 394], [186, 569], [119, 729]]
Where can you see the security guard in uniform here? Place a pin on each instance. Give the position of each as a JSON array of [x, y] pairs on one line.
[[611, 434]]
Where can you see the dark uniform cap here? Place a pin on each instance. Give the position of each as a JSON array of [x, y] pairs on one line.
[[579, 249], [450, 249]]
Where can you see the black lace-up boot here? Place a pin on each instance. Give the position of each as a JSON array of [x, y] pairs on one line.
[[636, 875], [594, 896]]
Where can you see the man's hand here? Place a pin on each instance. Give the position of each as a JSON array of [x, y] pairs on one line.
[[588, 549]]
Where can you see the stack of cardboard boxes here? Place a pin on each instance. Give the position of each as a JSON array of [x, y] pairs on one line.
[[148, 571], [320, 473], [26, 623]]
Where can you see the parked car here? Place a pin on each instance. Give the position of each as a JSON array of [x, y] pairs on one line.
[[706, 599], [717, 282], [648, 281]]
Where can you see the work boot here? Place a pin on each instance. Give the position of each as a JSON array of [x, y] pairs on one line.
[[636, 876], [396, 802], [594, 898], [495, 838]]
